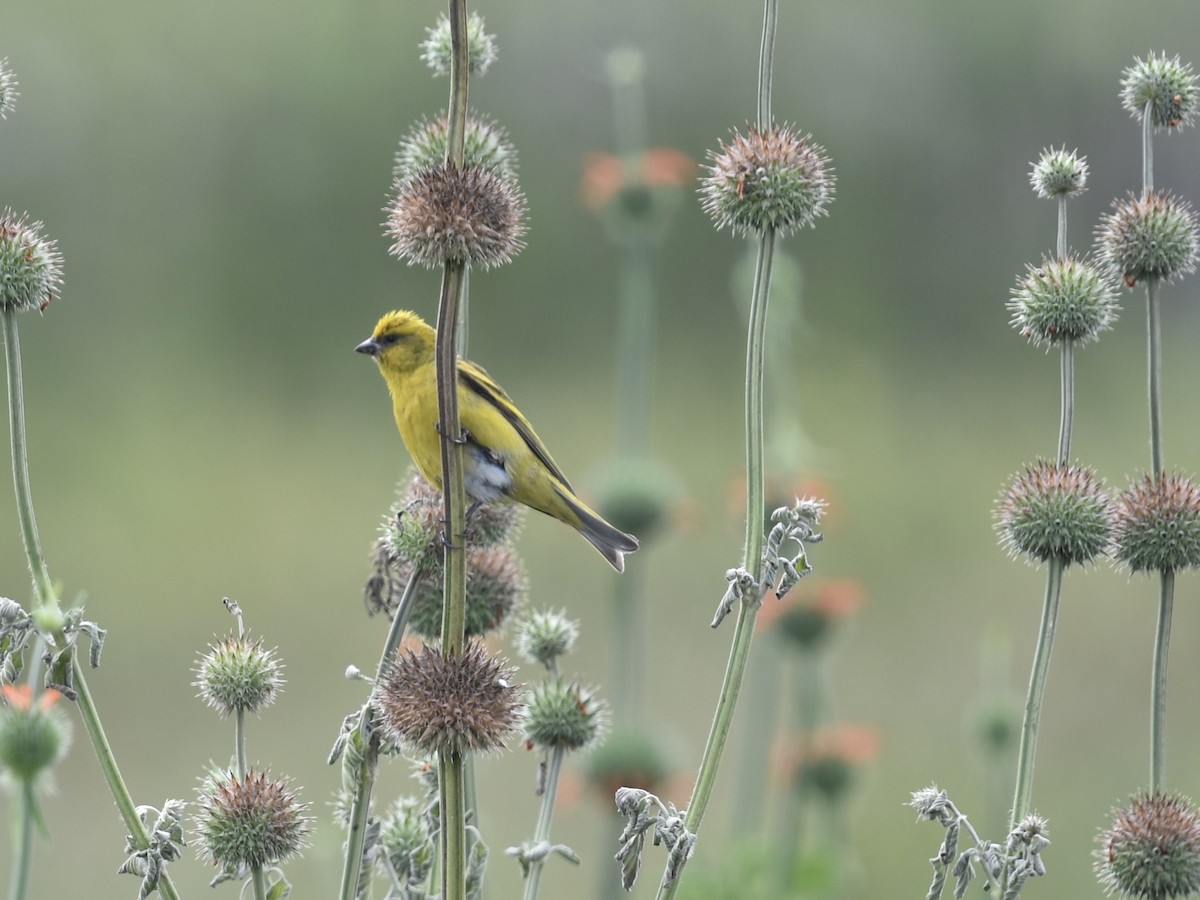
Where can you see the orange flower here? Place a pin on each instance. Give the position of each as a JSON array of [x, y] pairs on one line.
[[605, 175], [20, 696]]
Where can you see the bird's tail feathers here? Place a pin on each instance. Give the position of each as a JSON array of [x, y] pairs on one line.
[[612, 543]]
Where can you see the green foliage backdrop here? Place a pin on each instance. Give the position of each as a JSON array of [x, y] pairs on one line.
[[215, 175]]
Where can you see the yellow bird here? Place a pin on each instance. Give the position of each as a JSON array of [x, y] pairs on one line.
[[504, 459]]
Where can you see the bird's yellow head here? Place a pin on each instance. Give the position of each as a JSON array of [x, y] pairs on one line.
[[400, 343]]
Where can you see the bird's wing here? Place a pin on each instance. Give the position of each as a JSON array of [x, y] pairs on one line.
[[480, 383]]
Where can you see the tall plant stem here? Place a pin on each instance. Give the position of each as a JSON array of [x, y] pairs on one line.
[[1036, 694], [1158, 684], [1067, 381], [743, 633], [541, 834], [1154, 374], [48, 602], [451, 776]]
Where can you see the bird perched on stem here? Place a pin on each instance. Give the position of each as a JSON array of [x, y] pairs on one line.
[[504, 459]]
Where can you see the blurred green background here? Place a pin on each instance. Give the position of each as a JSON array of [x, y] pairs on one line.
[[215, 174]]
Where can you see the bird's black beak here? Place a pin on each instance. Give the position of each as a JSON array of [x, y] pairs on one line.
[[368, 347]]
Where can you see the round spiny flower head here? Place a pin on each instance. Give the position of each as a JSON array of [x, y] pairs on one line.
[[1152, 850], [496, 586], [408, 841], [8, 88], [1055, 512], [1059, 173], [1062, 299], [413, 529], [626, 759], [486, 145], [1151, 236], [239, 673], [1167, 83], [30, 264], [545, 635], [33, 735], [1158, 525], [773, 179], [470, 215], [252, 823], [481, 46], [449, 704], [562, 715]]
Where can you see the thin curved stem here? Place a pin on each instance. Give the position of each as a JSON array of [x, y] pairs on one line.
[[766, 63], [1067, 381], [22, 835], [1148, 147], [1036, 694], [1158, 685]]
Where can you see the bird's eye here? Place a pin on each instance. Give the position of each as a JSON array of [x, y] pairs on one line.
[[386, 340]]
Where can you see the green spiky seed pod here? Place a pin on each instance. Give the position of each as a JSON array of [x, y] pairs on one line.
[[448, 704], [774, 179], [485, 144], [496, 588], [249, 823], [408, 841], [30, 264], [8, 89], [34, 736], [564, 715], [1059, 173], [1152, 849], [239, 673], [1158, 525], [1063, 299], [1151, 236], [481, 46], [545, 635], [1168, 83], [471, 215], [1055, 512]]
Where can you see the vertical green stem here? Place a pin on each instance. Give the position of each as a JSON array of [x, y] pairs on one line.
[[1036, 694], [1067, 371], [1148, 147], [628, 669], [452, 801], [743, 633], [22, 836], [635, 338], [541, 834], [1154, 374], [1062, 227], [43, 588], [1158, 685], [766, 63]]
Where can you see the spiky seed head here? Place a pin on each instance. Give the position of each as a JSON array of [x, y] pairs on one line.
[[1152, 849], [626, 759], [496, 588], [446, 704], [544, 635], [486, 145], [564, 715], [1055, 512], [34, 736], [481, 46], [1149, 236], [1059, 173], [255, 822], [406, 837], [1169, 84], [1063, 299], [239, 673], [8, 88], [443, 213], [767, 179], [30, 264], [1157, 525]]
